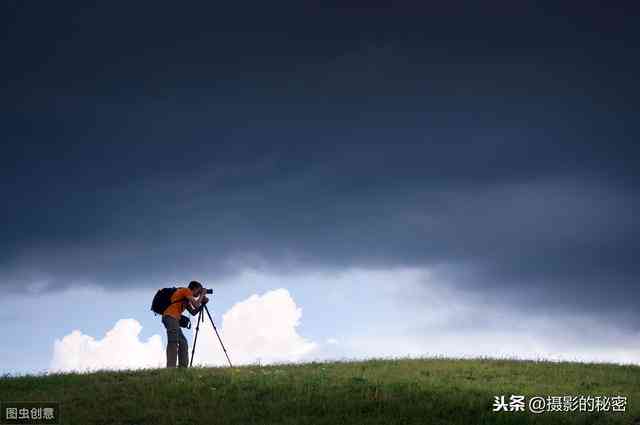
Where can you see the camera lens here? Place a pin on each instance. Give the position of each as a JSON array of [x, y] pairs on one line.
[[209, 291]]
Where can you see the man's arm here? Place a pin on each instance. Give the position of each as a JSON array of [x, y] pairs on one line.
[[195, 309], [194, 304]]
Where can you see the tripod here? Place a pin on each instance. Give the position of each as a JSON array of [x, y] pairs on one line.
[[195, 339]]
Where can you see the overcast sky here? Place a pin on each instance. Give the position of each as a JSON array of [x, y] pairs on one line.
[[334, 168]]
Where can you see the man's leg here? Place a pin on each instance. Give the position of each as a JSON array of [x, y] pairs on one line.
[[183, 350], [173, 327]]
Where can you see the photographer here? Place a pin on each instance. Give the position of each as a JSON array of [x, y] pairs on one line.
[[191, 298]]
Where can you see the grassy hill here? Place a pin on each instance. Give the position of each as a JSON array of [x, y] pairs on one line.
[[414, 391]]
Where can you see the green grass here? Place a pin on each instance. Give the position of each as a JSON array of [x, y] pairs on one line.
[[410, 391]]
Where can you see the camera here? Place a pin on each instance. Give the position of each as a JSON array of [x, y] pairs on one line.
[[185, 322]]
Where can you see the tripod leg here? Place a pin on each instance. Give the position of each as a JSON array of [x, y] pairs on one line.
[[218, 335], [195, 339]]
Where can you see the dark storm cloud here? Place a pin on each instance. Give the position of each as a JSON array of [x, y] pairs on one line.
[[500, 150]]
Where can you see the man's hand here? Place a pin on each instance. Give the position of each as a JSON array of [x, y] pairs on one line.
[[192, 304], [204, 300]]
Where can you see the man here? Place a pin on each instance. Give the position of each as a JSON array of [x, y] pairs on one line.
[[190, 298]]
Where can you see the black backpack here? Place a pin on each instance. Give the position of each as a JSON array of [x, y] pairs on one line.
[[162, 300]]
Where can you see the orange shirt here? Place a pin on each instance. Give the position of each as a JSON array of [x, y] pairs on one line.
[[176, 309]]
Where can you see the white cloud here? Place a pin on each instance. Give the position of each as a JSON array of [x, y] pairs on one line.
[[261, 329], [258, 329], [120, 348], [359, 313]]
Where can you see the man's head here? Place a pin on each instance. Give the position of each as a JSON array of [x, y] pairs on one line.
[[196, 288]]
